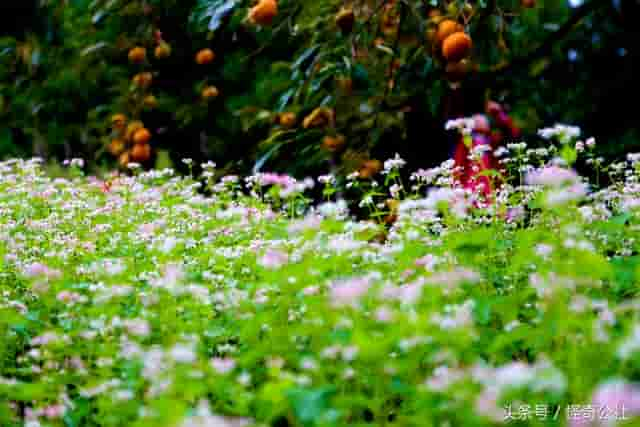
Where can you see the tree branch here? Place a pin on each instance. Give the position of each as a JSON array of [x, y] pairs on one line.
[[546, 47]]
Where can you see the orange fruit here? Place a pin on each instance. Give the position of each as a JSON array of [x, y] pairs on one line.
[[150, 102], [141, 136], [333, 143], [210, 92], [116, 147], [345, 20], [456, 46], [205, 56], [163, 50], [143, 80], [132, 128], [263, 12], [321, 116], [124, 159], [369, 168], [528, 4], [446, 28], [141, 153], [287, 120], [137, 55], [118, 121]]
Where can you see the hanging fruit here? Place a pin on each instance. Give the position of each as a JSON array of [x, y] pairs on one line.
[[141, 153], [205, 57], [132, 128], [150, 102], [446, 28], [137, 55], [263, 12], [143, 80], [209, 93], [369, 168], [163, 50], [333, 144], [141, 136], [456, 47], [118, 121], [116, 147], [287, 120]]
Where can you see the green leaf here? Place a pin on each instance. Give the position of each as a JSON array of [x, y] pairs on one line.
[[304, 56], [212, 12], [310, 405]]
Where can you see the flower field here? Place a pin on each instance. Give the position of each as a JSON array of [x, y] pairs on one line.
[[159, 300]]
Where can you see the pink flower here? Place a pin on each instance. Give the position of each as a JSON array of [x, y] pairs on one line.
[[612, 402], [54, 411], [38, 269], [223, 365], [552, 176], [273, 259], [348, 292]]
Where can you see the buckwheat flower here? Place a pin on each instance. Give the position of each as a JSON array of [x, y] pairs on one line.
[[392, 164], [244, 379], [633, 157], [223, 365], [487, 405], [564, 133], [500, 151], [384, 315], [543, 250], [183, 353], [349, 353], [463, 125], [348, 292], [442, 378], [308, 364], [137, 327], [311, 290], [327, 179], [348, 373], [77, 163], [45, 339], [565, 195], [552, 176], [331, 352], [579, 146], [514, 375], [273, 259], [590, 142], [613, 400], [40, 270], [515, 214]]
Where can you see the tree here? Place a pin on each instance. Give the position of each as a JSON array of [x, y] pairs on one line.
[[304, 86]]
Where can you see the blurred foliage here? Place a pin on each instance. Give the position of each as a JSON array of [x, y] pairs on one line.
[[372, 71]]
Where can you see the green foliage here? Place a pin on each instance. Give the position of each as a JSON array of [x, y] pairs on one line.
[[60, 85]]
